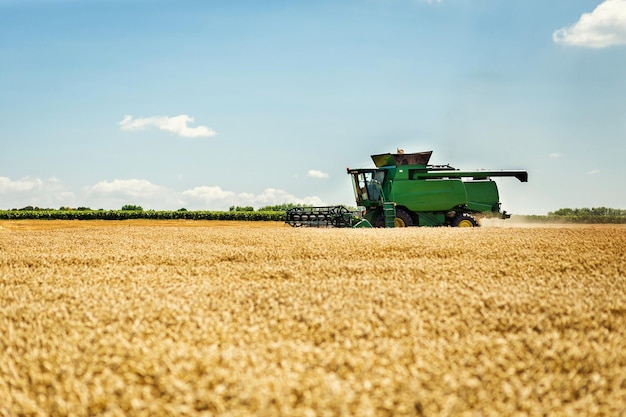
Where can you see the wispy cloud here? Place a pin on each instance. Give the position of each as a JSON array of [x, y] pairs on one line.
[[116, 193], [24, 185], [215, 197], [593, 172], [555, 155], [314, 173], [209, 194], [28, 191], [135, 188], [605, 26], [177, 125]]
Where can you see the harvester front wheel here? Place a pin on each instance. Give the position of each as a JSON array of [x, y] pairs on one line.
[[464, 220], [403, 219]]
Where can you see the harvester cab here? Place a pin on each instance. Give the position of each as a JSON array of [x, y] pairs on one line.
[[367, 184]]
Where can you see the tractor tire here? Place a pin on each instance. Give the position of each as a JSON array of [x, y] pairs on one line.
[[403, 219], [464, 220]]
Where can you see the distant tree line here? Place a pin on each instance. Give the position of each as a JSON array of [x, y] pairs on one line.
[[589, 212], [133, 207], [131, 211], [137, 214], [600, 215], [130, 207], [277, 207]]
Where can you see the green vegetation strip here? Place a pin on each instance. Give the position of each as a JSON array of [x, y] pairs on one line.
[[598, 215], [140, 214], [602, 215]]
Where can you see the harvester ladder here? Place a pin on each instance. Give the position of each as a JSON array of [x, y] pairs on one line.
[[389, 210]]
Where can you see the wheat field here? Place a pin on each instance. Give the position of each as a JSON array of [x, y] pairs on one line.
[[235, 319]]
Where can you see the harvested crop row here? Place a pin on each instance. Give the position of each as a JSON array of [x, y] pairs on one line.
[[134, 320]]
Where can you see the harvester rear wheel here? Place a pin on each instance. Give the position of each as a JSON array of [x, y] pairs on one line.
[[464, 220], [403, 219]]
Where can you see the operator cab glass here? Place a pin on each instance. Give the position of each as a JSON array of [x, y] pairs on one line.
[[368, 185]]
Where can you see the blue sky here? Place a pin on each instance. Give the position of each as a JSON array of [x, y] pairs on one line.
[[208, 104]]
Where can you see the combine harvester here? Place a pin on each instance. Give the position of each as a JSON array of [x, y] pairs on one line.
[[403, 190]]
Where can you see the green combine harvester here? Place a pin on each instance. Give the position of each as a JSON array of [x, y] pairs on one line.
[[403, 190]]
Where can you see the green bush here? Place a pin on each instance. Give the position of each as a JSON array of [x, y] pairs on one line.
[[131, 207], [240, 208]]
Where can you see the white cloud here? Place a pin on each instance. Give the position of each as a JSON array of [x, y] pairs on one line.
[[214, 198], [593, 172], [174, 124], [272, 196], [53, 193], [48, 193], [125, 188], [24, 185], [314, 173], [604, 26], [209, 195], [555, 155], [114, 194]]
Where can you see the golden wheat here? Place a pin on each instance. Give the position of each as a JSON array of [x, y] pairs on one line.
[[185, 318]]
